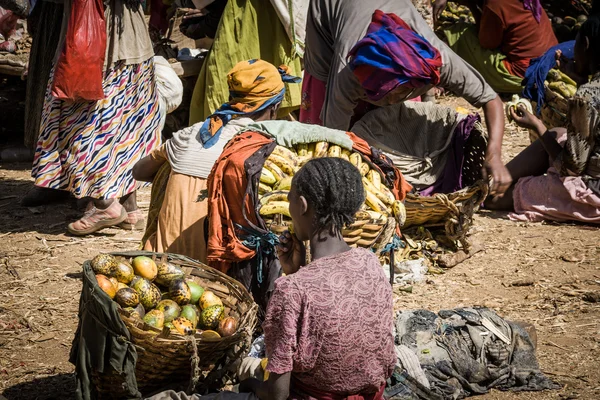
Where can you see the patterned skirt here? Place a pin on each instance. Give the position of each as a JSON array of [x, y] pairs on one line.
[[89, 148]]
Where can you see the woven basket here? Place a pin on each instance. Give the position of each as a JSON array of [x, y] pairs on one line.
[[165, 357], [371, 234], [454, 211]]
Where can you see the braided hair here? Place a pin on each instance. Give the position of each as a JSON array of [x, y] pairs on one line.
[[334, 188]]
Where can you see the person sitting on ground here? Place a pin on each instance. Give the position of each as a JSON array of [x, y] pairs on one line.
[[256, 90], [328, 328], [566, 187], [507, 35], [399, 59]]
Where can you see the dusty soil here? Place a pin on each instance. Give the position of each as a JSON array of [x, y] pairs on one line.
[[40, 281]]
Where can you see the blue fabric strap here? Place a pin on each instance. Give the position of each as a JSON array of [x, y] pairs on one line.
[[263, 243]]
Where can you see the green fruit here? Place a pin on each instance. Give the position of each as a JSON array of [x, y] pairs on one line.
[[179, 291], [103, 264], [127, 297], [123, 272], [170, 309], [211, 316], [135, 280], [196, 291], [155, 318], [167, 273], [169, 325], [149, 293], [189, 312]]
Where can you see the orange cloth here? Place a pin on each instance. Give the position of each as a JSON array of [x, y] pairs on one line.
[[180, 227], [506, 25], [227, 185]]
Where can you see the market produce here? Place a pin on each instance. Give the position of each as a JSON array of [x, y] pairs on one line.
[[183, 326], [167, 273], [515, 102], [123, 272], [179, 291], [149, 294], [103, 264], [172, 300], [190, 313], [145, 267], [155, 318], [209, 299], [169, 308], [210, 317], [106, 285], [227, 326], [195, 290], [127, 297], [276, 181]]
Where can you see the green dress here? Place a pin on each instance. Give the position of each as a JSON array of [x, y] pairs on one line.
[[248, 29]]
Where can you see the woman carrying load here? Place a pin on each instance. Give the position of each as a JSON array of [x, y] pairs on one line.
[[558, 176], [399, 59], [507, 35], [256, 89], [88, 148]]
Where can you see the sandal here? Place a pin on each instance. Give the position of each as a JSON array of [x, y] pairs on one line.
[[95, 219], [134, 222]]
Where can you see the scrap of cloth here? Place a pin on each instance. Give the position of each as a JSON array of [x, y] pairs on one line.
[[538, 71], [462, 352], [535, 6], [391, 55], [292, 14], [254, 86]]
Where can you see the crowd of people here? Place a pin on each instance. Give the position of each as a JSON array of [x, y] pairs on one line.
[[355, 58]]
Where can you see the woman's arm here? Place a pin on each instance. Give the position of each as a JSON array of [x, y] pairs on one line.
[[494, 167], [525, 119], [145, 169]]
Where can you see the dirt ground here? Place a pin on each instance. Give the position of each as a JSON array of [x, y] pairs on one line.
[[40, 281]]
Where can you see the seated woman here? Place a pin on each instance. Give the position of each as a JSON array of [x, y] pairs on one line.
[[328, 329], [257, 89], [507, 35], [566, 187], [400, 58]]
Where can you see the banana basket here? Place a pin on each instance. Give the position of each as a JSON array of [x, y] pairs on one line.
[[558, 90], [375, 223], [165, 357], [454, 211]]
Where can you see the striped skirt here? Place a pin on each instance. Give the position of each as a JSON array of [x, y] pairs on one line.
[[90, 148]]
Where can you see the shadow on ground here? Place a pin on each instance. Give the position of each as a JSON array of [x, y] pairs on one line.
[[60, 386]]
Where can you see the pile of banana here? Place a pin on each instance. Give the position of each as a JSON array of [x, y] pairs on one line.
[[455, 13], [276, 180], [561, 84]]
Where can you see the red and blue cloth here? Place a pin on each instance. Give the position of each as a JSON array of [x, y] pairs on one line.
[[391, 55]]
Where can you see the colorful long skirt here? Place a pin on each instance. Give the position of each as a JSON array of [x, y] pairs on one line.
[[89, 148]]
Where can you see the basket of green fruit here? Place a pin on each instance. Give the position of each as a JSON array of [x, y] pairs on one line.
[[186, 320]]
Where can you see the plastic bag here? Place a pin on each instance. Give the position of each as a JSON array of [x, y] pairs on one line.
[[79, 71]]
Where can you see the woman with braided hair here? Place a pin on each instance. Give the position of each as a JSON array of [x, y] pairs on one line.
[[328, 328]]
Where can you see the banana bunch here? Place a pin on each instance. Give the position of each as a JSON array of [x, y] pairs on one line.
[[514, 104], [455, 13], [561, 83], [276, 181]]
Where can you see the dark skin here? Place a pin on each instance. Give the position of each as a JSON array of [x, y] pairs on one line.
[[145, 170], [533, 161], [324, 242]]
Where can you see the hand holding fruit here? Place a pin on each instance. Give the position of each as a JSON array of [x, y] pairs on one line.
[[291, 253], [438, 7], [525, 119]]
